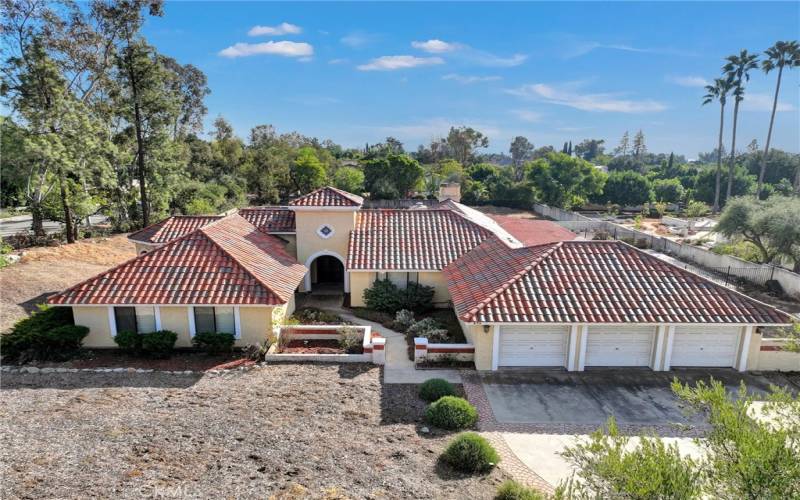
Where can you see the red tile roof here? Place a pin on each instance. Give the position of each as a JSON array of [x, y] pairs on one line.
[[270, 219], [532, 232], [172, 227], [267, 219], [328, 197], [226, 262], [411, 239], [590, 282]]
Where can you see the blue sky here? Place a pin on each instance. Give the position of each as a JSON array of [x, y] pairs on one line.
[[357, 72]]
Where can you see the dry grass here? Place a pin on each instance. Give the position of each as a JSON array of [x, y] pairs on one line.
[[45, 270]]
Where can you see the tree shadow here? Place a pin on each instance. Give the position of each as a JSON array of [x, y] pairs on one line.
[[31, 305]]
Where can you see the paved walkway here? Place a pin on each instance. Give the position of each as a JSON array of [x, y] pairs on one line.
[[398, 369]]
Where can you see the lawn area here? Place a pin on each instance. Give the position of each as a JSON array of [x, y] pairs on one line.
[[293, 431]]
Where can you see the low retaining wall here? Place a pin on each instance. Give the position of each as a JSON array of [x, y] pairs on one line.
[[424, 351], [373, 344], [773, 356]]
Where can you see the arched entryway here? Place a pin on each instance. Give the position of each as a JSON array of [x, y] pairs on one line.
[[326, 274]]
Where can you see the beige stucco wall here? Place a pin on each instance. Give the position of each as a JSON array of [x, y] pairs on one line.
[[176, 319], [95, 318], [256, 325], [309, 242], [770, 360], [483, 343], [436, 279]]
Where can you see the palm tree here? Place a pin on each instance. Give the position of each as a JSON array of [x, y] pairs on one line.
[[718, 92], [737, 71], [779, 55]]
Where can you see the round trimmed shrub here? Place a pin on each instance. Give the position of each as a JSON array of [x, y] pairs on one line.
[[512, 490], [130, 342], [159, 344], [451, 412], [214, 342], [470, 453], [435, 388]]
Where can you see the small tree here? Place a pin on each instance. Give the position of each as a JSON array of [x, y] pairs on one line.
[[695, 210], [307, 172], [349, 179], [627, 189]]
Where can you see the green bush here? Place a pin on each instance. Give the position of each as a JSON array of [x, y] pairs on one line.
[[433, 389], [430, 329], [512, 490], [214, 342], [451, 412], [314, 316], [159, 344], [470, 453], [40, 337], [130, 342], [351, 340], [385, 296]]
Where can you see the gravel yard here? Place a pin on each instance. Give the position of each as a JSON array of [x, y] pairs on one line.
[[294, 431]]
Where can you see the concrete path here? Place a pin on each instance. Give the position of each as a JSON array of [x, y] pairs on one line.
[[540, 452]]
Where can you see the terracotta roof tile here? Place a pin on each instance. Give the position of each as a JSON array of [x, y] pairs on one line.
[[270, 219], [172, 228], [591, 282], [328, 197], [411, 239], [532, 232], [226, 262]]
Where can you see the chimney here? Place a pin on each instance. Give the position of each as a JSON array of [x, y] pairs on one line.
[[450, 190]]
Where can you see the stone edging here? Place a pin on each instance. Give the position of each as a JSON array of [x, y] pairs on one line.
[[37, 370]]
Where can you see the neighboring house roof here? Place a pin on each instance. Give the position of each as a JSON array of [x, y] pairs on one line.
[[425, 240], [590, 282], [483, 220], [328, 197], [270, 219], [533, 231], [266, 219], [226, 262], [172, 228]]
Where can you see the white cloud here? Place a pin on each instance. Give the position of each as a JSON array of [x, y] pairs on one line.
[[283, 48], [358, 39], [391, 63], [468, 79], [763, 102], [436, 46], [689, 81], [281, 29], [603, 102], [527, 115], [484, 58], [574, 48]]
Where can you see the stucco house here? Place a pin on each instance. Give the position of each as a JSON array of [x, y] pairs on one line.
[[526, 293]]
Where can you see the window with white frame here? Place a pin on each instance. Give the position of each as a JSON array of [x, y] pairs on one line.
[[219, 319], [139, 319]]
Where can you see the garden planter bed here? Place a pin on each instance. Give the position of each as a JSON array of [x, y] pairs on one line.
[[320, 343], [321, 346]]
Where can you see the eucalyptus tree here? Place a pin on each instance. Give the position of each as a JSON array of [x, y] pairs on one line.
[[780, 55], [521, 150], [718, 92], [737, 71]]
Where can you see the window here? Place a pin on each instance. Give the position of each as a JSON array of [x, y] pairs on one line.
[[214, 319], [413, 277], [139, 319]]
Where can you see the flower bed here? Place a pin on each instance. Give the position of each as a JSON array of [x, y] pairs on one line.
[[316, 343], [429, 355]]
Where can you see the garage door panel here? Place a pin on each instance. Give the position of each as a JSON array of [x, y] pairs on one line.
[[533, 346], [618, 345], [705, 346]]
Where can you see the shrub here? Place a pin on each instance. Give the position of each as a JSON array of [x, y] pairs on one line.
[[428, 328], [130, 342], [257, 351], [351, 340], [470, 453], [435, 388], [39, 336], [451, 412], [214, 342], [512, 490], [403, 320], [385, 296], [383, 318], [314, 316], [159, 344]]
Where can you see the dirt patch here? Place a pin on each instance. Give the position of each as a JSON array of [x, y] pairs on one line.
[[314, 347], [44, 271], [180, 360], [315, 430]]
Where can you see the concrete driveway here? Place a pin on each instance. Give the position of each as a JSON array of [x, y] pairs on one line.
[[632, 396]]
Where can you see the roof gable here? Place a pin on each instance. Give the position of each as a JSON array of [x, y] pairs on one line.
[[594, 282], [226, 262], [328, 197], [270, 219]]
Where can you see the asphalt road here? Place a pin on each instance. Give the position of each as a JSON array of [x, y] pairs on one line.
[[22, 223]]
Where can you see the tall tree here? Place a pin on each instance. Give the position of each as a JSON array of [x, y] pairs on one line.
[[464, 141], [737, 71], [624, 145], [718, 92], [563, 181], [589, 149], [780, 55], [639, 147], [521, 150]]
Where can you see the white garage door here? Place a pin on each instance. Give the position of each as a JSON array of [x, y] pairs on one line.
[[703, 345], [619, 345], [533, 345]]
